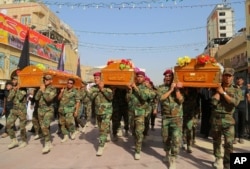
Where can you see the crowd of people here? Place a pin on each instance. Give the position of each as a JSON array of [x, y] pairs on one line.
[[222, 112]]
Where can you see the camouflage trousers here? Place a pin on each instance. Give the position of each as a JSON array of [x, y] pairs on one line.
[[146, 123], [35, 123], [172, 134], [67, 122], [137, 127], [14, 114], [45, 116], [189, 125], [103, 122], [78, 120], [223, 126], [87, 109], [117, 117]]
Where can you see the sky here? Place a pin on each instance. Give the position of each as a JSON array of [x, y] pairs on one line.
[[153, 33]]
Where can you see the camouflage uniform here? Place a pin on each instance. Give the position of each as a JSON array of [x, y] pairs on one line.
[[222, 122], [120, 110], [103, 110], [190, 112], [87, 106], [18, 111], [66, 110], [149, 110], [46, 109], [35, 120], [137, 101], [171, 109]]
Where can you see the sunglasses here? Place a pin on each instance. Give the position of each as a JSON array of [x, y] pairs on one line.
[[70, 83]]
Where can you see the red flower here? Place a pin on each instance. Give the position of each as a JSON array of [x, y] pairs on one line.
[[109, 62]]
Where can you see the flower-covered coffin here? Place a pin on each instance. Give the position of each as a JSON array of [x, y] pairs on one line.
[[118, 73], [32, 76], [198, 72]]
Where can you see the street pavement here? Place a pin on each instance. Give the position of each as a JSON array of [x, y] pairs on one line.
[[81, 152]]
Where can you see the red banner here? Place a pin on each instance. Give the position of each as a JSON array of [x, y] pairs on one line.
[[13, 33]]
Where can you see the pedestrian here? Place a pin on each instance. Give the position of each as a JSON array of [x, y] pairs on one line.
[[68, 109], [45, 97], [138, 95], [224, 101], [171, 100], [30, 108], [7, 106], [18, 96], [86, 104], [241, 111], [78, 119], [120, 112], [151, 109], [35, 121], [205, 95], [102, 97], [190, 115]]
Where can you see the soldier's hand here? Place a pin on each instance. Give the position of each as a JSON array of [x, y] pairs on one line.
[[173, 85], [101, 85], [42, 87], [179, 85], [220, 90], [62, 90], [75, 114]]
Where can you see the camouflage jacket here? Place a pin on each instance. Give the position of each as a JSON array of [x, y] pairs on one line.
[[171, 106], [102, 100], [69, 99], [222, 106], [138, 100], [46, 98], [85, 97], [18, 98]]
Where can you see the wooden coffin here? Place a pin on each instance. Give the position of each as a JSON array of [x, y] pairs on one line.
[[113, 75], [196, 75], [32, 76]]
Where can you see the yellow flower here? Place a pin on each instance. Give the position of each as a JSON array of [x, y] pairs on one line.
[[182, 61], [41, 66], [187, 59]]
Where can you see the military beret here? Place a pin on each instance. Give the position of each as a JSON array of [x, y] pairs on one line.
[[97, 74], [228, 71], [168, 71], [47, 77], [147, 78], [140, 73]]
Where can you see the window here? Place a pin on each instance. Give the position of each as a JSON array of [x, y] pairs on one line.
[[222, 14], [26, 19], [222, 28], [2, 60], [222, 21], [223, 35]]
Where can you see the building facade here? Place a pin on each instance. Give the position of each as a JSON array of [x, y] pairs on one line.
[[43, 23]]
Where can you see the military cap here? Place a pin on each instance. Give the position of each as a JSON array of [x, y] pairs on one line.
[[228, 71], [140, 73], [97, 74], [47, 77], [168, 71]]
